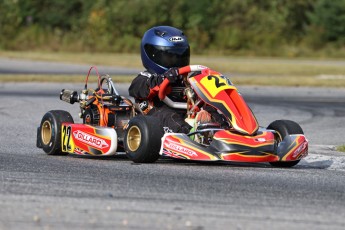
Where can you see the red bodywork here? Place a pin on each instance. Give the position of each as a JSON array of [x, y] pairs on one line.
[[244, 141], [217, 91], [84, 139]]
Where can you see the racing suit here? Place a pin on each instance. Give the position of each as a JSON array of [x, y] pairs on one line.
[[144, 88]]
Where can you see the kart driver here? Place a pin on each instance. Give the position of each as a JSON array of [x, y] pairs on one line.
[[163, 50]]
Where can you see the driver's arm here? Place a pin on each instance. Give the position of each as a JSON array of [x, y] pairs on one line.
[[146, 85]]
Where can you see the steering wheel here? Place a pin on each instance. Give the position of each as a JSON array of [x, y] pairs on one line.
[[183, 70]]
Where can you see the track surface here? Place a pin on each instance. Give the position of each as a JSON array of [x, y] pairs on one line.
[[16, 66], [65, 192]]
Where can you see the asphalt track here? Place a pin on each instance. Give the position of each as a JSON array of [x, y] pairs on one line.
[[66, 192]]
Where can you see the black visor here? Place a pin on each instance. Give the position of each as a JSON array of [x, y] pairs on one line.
[[167, 56]]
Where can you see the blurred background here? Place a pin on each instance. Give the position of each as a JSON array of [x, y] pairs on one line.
[[255, 42], [299, 28]]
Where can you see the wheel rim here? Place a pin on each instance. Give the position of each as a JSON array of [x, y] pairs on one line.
[[133, 138], [46, 132], [278, 137]]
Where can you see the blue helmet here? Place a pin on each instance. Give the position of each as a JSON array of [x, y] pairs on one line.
[[163, 47]]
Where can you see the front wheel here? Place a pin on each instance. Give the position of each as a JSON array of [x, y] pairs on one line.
[[283, 129], [142, 140], [49, 135]]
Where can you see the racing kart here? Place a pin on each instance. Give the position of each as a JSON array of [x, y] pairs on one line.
[[238, 138], [112, 123]]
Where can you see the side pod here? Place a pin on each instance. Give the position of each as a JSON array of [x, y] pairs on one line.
[[292, 148], [88, 140]]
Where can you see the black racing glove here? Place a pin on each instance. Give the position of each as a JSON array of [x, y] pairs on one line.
[[171, 74]]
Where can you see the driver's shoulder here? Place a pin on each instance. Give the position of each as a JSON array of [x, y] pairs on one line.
[[147, 74]]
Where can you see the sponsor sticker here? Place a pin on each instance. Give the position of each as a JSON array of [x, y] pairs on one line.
[[300, 149], [181, 149], [90, 139], [176, 39]]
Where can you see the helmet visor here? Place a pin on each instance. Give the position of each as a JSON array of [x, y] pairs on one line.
[[167, 56]]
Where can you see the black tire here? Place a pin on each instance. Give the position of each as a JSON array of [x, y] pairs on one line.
[[142, 139], [284, 128], [50, 131]]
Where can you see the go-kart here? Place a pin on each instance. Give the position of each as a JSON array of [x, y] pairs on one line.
[[112, 123], [238, 138]]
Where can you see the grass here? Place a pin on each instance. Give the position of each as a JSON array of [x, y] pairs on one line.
[[241, 70], [260, 81], [107, 59], [57, 78], [341, 148]]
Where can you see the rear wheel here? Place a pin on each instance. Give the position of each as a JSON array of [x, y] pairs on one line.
[[50, 131], [283, 129], [142, 139]]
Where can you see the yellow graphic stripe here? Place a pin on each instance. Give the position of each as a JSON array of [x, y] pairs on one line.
[[236, 142], [294, 145], [248, 156], [230, 140]]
